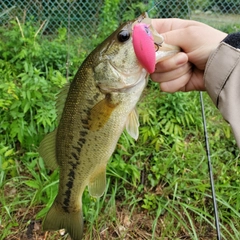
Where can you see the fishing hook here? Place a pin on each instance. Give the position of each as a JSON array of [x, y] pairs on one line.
[[157, 45], [144, 15]]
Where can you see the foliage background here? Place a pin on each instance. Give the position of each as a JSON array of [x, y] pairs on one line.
[[162, 177]]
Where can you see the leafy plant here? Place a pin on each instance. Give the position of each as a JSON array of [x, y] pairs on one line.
[[32, 72], [7, 163], [135, 10], [109, 22], [164, 118]]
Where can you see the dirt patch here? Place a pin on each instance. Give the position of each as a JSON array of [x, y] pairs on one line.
[[137, 225]]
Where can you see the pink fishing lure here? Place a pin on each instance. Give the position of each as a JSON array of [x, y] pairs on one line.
[[143, 44]]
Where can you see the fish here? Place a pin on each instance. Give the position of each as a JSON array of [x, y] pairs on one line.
[[93, 111]]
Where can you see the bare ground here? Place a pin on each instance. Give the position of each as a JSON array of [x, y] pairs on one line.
[[128, 226]]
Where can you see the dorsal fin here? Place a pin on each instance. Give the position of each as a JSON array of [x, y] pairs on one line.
[[61, 99], [47, 147]]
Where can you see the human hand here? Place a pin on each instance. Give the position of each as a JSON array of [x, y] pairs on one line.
[[184, 71]]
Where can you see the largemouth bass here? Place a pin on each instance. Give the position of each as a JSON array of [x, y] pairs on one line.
[[92, 111]]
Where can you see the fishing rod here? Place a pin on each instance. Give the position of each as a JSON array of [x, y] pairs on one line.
[[207, 148]]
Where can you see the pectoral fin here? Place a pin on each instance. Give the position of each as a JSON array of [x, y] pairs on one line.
[[97, 183], [47, 150], [132, 124], [100, 113]]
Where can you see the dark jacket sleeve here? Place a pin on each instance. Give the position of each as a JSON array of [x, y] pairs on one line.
[[222, 81]]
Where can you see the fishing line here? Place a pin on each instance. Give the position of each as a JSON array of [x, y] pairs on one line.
[[154, 6], [207, 148]]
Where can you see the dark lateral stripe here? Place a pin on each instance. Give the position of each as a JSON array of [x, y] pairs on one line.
[[66, 201], [85, 121], [65, 209], [83, 133], [68, 195], [74, 155], [71, 174], [70, 184], [73, 164], [82, 140], [77, 148]]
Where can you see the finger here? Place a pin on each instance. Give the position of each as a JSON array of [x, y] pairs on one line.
[[170, 24], [189, 82], [182, 38], [181, 32], [188, 35], [178, 84], [171, 75], [196, 82], [172, 63]]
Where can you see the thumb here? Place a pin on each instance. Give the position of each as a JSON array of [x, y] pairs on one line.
[[186, 34], [182, 38]]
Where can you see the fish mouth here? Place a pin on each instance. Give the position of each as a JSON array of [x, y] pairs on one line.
[[124, 87]]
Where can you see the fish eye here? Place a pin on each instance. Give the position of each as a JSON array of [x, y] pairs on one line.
[[123, 36]]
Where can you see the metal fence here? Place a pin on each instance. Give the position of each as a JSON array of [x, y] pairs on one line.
[[84, 16]]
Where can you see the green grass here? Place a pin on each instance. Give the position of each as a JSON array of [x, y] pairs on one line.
[[225, 22]]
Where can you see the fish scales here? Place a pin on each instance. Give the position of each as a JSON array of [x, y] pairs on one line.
[[98, 105]]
